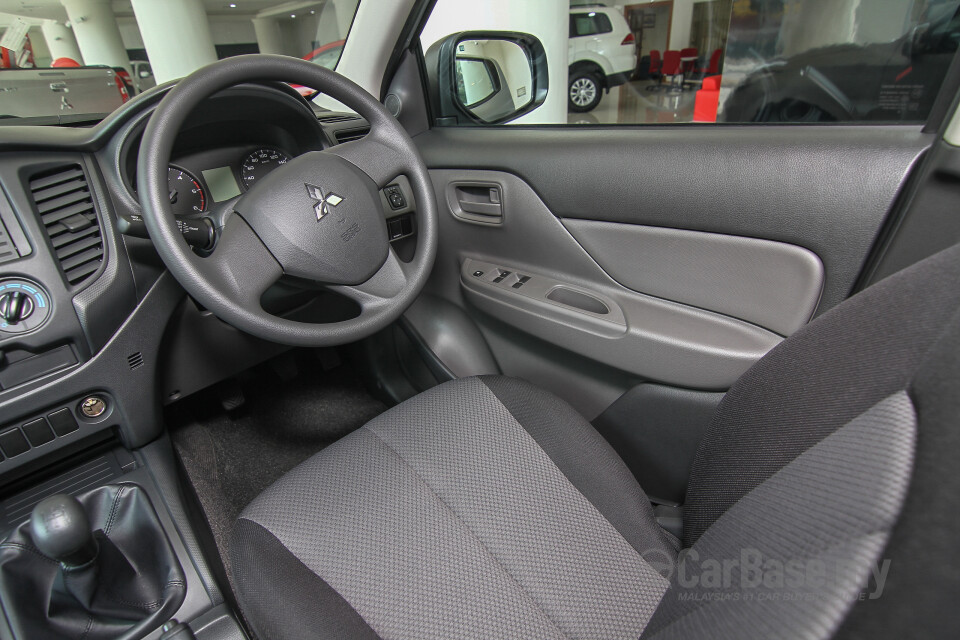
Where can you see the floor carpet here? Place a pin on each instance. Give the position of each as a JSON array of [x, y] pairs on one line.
[[230, 457]]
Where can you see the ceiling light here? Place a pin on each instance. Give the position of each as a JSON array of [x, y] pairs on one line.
[[293, 15], [233, 5]]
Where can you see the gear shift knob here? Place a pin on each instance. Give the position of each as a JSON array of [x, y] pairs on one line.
[[61, 530]]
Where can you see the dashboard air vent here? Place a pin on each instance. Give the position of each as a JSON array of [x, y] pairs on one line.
[[7, 251], [336, 117], [349, 135], [66, 209]]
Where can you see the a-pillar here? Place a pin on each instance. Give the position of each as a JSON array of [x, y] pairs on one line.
[[61, 41], [176, 35], [97, 33]]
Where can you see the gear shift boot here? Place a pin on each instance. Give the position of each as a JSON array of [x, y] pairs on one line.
[[99, 566]]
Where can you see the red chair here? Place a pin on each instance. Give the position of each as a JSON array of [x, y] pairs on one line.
[[64, 62], [707, 100], [714, 67], [690, 64], [671, 66], [655, 63]]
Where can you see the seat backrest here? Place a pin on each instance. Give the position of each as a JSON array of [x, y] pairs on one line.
[[671, 63], [655, 60], [823, 376], [837, 447], [711, 83], [707, 101], [714, 66]]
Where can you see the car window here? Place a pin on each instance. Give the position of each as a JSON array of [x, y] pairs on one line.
[[56, 62], [727, 61], [589, 24]]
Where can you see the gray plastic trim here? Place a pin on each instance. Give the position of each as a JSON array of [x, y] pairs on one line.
[[661, 340], [826, 188], [655, 340], [771, 284], [454, 339]]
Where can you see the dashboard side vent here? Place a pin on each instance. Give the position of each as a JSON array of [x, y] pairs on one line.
[[336, 117], [7, 251], [349, 135], [66, 209]]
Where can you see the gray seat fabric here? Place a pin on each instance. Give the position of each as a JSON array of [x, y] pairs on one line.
[[446, 517], [488, 508]]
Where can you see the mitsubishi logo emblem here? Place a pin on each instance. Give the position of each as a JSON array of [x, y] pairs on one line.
[[322, 202]]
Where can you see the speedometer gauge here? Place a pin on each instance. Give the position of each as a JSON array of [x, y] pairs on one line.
[[259, 163], [186, 194]]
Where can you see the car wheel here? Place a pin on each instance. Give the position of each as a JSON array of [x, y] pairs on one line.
[[584, 92]]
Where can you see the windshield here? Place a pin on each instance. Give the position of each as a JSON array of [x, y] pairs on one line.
[[77, 60]]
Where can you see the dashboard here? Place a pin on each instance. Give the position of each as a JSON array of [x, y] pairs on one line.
[[89, 317]]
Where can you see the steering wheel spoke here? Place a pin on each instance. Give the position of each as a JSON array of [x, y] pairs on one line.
[[376, 158], [382, 288], [241, 264]]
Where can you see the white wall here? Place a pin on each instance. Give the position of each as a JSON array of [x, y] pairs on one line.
[[546, 19]]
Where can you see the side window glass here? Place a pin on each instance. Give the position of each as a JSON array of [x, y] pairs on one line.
[[589, 24], [727, 61]]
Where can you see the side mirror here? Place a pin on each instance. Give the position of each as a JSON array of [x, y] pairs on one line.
[[486, 77]]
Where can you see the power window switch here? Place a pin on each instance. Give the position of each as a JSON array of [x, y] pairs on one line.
[[477, 273]]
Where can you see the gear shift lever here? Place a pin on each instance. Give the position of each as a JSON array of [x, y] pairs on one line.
[[61, 530]]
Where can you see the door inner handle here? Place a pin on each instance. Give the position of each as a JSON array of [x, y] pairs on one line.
[[480, 200]]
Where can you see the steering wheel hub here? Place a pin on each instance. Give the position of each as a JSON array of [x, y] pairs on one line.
[[321, 218]]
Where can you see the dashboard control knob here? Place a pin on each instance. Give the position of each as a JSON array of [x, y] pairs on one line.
[[16, 306], [24, 306]]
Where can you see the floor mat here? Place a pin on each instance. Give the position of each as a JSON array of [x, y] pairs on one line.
[[231, 457]]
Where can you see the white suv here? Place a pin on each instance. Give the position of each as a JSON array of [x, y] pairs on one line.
[[601, 54]]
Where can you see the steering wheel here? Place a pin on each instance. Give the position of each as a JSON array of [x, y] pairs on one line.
[[318, 217]]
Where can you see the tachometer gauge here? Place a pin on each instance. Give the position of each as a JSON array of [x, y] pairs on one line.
[[259, 163], [186, 194]]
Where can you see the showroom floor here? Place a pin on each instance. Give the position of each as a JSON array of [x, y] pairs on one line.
[[635, 103]]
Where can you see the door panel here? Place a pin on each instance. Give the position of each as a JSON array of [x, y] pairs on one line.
[[827, 189], [772, 284], [703, 245], [682, 256]]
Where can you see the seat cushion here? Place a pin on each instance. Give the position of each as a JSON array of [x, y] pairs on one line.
[[481, 508]]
